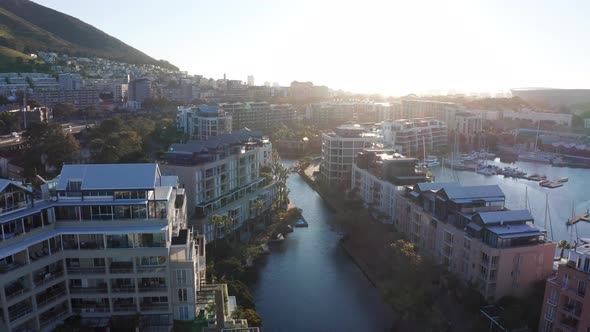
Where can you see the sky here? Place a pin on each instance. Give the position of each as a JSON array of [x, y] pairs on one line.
[[388, 47]]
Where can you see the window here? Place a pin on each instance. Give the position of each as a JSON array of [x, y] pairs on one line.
[[182, 295], [581, 288], [181, 276], [183, 313]]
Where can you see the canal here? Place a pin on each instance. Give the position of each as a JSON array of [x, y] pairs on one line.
[[308, 283]]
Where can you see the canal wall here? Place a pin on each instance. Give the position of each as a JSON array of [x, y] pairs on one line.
[[345, 244]]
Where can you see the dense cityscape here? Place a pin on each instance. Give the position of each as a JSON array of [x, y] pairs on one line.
[[140, 197]]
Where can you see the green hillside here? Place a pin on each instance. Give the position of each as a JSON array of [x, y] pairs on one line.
[[26, 26]]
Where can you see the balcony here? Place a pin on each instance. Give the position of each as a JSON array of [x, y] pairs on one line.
[[86, 270], [91, 309], [46, 298], [88, 290], [19, 311], [124, 308], [13, 290], [121, 267], [122, 289], [152, 289], [151, 269], [154, 307], [52, 316], [45, 278]]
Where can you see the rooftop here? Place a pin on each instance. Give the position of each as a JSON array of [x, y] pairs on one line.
[[460, 193], [496, 217], [110, 176], [235, 137]]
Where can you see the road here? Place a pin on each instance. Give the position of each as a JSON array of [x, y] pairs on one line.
[[70, 127]]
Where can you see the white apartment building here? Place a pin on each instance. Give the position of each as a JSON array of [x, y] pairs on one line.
[[203, 122], [222, 177], [339, 151], [101, 241], [379, 176], [535, 117], [415, 137]]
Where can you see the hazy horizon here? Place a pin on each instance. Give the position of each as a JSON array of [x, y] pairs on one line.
[[379, 47]]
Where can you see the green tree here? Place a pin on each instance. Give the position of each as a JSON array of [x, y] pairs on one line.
[[563, 244], [50, 148], [64, 111]]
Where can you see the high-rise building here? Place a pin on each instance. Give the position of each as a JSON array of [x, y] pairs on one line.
[[104, 241], [339, 151], [140, 90], [415, 137], [468, 230], [222, 177], [251, 80]]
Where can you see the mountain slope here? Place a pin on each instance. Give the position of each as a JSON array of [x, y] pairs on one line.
[[27, 26]]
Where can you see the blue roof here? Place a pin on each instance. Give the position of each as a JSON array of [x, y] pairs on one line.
[[436, 186], [513, 231], [4, 183], [505, 216], [110, 176], [473, 192]]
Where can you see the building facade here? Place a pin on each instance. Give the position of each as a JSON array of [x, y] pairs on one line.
[[565, 305], [339, 151], [468, 230], [203, 122], [222, 177], [379, 176], [469, 125], [81, 98], [415, 137], [102, 241], [561, 119]]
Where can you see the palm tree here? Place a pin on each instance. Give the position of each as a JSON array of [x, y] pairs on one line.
[[217, 222], [258, 205], [563, 244]]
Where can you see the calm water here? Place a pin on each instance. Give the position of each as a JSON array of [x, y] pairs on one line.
[[309, 284], [575, 192]]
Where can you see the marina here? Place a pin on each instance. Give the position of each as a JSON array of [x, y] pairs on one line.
[[567, 185]]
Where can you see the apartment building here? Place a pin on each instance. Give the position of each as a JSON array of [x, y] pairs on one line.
[[388, 111], [468, 230], [329, 115], [565, 306], [413, 109], [415, 137], [101, 241], [81, 98], [251, 115], [222, 177], [339, 151], [379, 176], [561, 119], [203, 122]]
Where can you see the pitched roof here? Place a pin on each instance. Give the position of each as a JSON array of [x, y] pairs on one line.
[[436, 186], [110, 176], [505, 216], [4, 183], [473, 192]]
